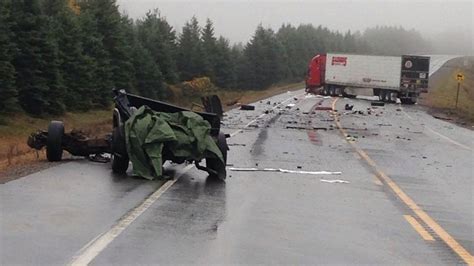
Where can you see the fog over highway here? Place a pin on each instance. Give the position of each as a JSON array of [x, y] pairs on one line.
[[448, 25]]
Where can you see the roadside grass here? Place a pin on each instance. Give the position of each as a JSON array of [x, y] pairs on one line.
[[15, 129], [442, 94], [231, 98]]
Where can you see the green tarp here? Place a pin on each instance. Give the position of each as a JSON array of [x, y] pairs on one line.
[[185, 135]]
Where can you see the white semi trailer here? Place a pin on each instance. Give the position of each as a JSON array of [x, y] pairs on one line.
[[388, 77]]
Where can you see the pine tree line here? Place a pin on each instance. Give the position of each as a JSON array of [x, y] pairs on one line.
[[67, 55]]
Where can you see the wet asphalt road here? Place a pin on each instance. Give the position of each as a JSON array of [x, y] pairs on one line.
[[56, 215]]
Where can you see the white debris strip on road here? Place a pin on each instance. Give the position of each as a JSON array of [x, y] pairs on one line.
[[250, 169], [335, 181]]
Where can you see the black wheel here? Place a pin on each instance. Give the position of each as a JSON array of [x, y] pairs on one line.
[[389, 96], [344, 94], [407, 101], [216, 164], [54, 147], [392, 97], [119, 151], [324, 91], [383, 96], [215, 106]]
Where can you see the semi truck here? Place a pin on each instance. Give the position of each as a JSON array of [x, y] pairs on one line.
[[388, 77]]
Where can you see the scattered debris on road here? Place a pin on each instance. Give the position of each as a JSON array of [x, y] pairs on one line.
[[335, 181], [348, 107], [100, 158], [283, 171], [247, 107], [377, 103], [295, 127], [323, 108], [442, 117]]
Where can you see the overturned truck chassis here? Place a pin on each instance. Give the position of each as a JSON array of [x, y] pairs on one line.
[[78, 144]]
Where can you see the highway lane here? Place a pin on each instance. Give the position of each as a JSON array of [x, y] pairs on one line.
[[260, 217], [47, 216], [52, 216], [254, 217]]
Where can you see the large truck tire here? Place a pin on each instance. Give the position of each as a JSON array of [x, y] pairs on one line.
[[408, 101], [346, 95], [120, 158], [324, 91], [216, 164], [382, 95], [54, 142], [391, 96]]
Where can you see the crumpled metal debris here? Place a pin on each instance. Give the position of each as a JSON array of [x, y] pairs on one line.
[[377, 104], [247, 107]]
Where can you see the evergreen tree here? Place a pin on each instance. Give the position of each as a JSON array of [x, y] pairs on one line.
[[149, 79], [288, 37], [190, 59], [106, 42], [349, 43], [264, 56], [224, 64], [8, 91], [388, 40], [94, 48], [159, 38], [76, 67], [37, 65], [209, 49]]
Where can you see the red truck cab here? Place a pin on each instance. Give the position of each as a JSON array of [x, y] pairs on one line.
[[316, 73]]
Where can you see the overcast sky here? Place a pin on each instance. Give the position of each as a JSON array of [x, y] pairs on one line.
[[237, 19]]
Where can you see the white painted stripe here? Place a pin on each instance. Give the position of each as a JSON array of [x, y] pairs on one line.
[[92, 249]]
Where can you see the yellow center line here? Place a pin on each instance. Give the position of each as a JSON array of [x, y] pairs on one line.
[[422, 215], [418, 228], [377, 181]]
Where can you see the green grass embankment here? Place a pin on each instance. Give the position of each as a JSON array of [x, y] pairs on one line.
[[441, 97]]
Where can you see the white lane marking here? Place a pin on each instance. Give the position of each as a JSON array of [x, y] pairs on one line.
[[92, 249], [440, 135], [263, 115]]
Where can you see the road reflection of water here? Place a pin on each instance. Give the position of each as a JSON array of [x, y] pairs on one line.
[[202, 203]]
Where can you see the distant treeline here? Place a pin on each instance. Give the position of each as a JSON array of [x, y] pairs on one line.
[[66, 55]]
